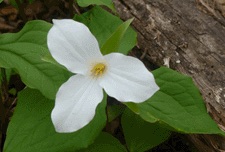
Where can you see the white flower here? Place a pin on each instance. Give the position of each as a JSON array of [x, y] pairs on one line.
[[122, 77]]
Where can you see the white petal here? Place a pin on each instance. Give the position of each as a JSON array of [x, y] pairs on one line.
[[75, 103], [127, 79], [72, 45]]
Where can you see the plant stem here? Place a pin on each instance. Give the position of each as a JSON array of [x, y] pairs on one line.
[[76, 8]]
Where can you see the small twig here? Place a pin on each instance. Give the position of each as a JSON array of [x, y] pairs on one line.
[[76, 8], [144, 54], [11, 106], [208, 8]]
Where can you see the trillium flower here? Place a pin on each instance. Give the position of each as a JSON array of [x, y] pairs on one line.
[[122, 77]]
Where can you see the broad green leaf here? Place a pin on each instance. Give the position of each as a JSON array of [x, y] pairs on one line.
[[48, 58], [140, 135], [31, 129], [85, 3], [1, 1], [178, 104], [134, 107], [24, 51], [105, 143], [113, 43], [103, 25]]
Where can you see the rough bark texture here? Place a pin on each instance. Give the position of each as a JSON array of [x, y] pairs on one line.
[[189, 36]]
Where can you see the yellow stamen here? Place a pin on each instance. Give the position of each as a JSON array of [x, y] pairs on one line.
[[98, 69]]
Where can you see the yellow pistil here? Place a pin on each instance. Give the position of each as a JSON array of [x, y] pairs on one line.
[[98, 69]]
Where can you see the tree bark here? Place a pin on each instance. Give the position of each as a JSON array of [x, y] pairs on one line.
[[188, 36]]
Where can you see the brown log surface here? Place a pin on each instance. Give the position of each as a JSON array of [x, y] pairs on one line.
[[191, 36]]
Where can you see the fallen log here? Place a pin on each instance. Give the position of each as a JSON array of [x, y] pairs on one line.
[[188, 36]]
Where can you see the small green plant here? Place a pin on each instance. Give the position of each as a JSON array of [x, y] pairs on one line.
[[67, 65]]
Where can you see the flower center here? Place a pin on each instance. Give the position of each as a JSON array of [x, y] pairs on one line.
[[98, 69]]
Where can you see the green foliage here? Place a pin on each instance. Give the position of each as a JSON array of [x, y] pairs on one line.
[[25, 53], [31, 129], [106, 27], [114, 42], [48, 58], [85, 3], [178, 104], [105, 143], [140, 135], [1, 1]]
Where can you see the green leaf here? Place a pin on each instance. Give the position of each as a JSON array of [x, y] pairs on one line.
[[178, 104], [140, 135], [103, 25], [1, 1], [85, 3], [48, 58], [113, 43], [147, 116], [31, 129], [24, 51], [105, 143]]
